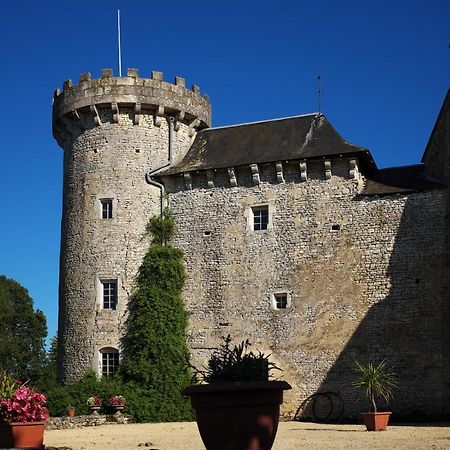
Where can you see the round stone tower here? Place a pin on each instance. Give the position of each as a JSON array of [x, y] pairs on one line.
[[114, 131]]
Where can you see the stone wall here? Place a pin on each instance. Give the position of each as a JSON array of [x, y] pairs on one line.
[[113, 131], [364, 276]]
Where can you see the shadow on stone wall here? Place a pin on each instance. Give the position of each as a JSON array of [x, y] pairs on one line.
[[407, 328]]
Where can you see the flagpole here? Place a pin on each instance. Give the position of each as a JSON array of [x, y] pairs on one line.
[[118, 38]]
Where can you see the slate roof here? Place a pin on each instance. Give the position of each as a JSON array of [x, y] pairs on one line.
[[291, 138], [396, 180]]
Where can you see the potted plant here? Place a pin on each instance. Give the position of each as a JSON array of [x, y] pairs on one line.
[[71, 411], [377, 380], [239, 407], [117, 402], [94, 403], [22, 415]]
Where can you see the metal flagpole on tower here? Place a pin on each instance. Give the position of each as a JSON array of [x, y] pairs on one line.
[[118, 38], [318, 93]]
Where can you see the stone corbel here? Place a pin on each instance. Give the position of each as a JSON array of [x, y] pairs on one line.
[[188, 180], [178, 119], [115, 112], [327, 164], [210, 178], [137, 113], [97, 119], [193, 126], [232, 176], [77, 119], [255, 174], [303, 171], [353, 172], [279, 168], [159, 114]]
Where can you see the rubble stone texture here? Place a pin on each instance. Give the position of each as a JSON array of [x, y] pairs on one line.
[[365, 276]]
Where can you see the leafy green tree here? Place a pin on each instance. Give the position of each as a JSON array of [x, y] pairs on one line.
[[22, 332], [155, 354], [47, 377]]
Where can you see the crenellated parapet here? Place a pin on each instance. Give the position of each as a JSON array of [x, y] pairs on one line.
[[88, 103]]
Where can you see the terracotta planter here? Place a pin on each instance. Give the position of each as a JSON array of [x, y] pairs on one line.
[[237, 415], [28, 435], [71, 412], [376, 421]]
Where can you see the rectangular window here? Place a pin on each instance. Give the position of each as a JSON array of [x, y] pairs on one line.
[[107, 208], [110, 362], [281, 301], [109, 289], [260, 217]]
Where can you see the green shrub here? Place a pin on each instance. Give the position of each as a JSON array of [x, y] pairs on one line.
[[155, 354]]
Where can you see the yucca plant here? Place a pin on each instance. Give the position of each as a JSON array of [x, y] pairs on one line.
[[377, 380]]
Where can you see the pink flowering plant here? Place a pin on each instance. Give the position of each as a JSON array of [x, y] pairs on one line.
[[117, 400], [24, 405]]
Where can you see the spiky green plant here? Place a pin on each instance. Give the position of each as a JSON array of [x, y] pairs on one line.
[[377, 380], [236, 364]]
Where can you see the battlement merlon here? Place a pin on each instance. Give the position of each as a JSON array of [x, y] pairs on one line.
[[165, 99]]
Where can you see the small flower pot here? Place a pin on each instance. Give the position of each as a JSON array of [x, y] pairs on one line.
[[71, 412], [29, 435], [376, 421]]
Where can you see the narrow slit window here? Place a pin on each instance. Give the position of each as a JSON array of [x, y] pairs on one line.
[[260, 218], [107, 208]]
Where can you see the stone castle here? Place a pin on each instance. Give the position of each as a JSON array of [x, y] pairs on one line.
[[292, 238]]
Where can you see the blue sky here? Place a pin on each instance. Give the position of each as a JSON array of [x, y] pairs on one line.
[[384, 70]]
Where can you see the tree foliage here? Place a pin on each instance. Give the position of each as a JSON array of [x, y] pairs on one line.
[[155, 354], [22, 332]]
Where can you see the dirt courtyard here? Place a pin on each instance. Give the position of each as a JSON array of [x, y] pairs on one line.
[[291, 436]]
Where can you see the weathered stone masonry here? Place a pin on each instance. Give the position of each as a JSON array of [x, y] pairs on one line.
[[359, 252], [379, 275], [113, 131]]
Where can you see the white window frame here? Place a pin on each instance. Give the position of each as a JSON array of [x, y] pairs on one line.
[[280, 292], [107, 351], [101, 280], [101, 199], [250, 214], [109, 203]]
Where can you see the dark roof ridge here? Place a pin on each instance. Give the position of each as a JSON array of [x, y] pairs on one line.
[[401, 167], [256, 122]]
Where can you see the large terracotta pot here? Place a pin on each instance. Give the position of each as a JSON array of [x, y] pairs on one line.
[[237, 415], [376, 421], [28, 435]]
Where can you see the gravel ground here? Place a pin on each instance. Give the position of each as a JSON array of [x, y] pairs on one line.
[[291, 436]]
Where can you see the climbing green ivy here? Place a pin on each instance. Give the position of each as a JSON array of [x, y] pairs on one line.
[[155, 354]]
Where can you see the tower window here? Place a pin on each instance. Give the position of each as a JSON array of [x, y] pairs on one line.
[[110, 361], [260, 217], [109, 293], [281, 301], [107, 208]]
